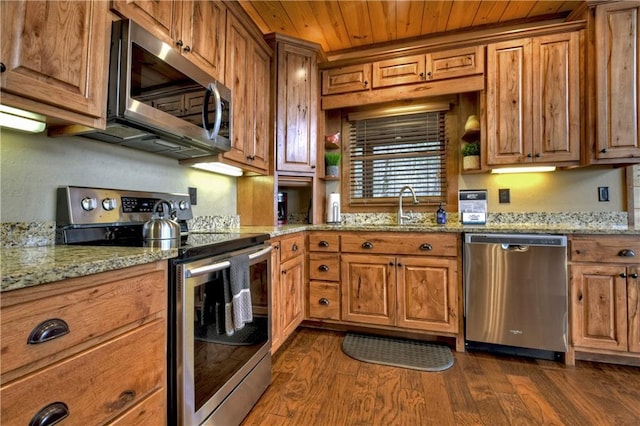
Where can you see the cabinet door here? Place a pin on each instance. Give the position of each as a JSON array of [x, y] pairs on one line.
[[160, 18], [57, 53], [237, 74], [353, 78], [296, 103], [455, 63], [427, 294], [599, 307], [633, 306], [203, 35], [257, 148], [556, 98], [276, 326], [392, 72], [368, 289], [617, 60], [508, 97], [291, 295]]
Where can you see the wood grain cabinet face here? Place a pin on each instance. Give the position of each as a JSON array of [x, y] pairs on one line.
[[195, 28], [604, 293], [56, 53], [353, 78], [410, 69], [617, 81], [455, 63], [533, 98], [323, 292]]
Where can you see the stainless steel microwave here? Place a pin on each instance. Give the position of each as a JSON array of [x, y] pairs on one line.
[[160, 102]]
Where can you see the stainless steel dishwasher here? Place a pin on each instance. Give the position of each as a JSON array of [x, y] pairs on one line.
[[516, 293]]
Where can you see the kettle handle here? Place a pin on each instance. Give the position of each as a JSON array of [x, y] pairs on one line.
[[172, 211]]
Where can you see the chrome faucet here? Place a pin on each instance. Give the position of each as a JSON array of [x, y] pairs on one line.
[[401, 215]]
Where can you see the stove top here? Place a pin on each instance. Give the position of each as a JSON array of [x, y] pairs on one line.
[[109, 217]]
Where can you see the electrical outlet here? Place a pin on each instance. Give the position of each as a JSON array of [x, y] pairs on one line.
[[504, 196], [193, 196], [603, 193]]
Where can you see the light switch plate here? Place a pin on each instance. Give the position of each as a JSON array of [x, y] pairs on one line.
[[504, 195], [193, 196]]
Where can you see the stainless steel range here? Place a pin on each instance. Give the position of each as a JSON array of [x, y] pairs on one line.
[[219, 321]]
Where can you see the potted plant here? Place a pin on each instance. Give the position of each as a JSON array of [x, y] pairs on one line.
[[471, 156], [332, 163]]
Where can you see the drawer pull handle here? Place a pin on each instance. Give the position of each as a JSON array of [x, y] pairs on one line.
[[627, 253], [323, 243], [50, 415], [323, 268], [324, 301], [426, 247], [367, 245], [48, 330], [294, 247]]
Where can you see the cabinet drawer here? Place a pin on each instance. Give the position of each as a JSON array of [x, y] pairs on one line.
[[325, 267], [291, 247], [605, 249], [321, 241], [409, 69], [324, 300], [455, 63], [353, 78], [435, 244], [88, 312], [97, 384]]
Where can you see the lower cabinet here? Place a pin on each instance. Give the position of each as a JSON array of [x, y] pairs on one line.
[[287, 288], [605, 307], [90, 349]]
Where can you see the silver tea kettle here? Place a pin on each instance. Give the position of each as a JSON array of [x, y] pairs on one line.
[[160, 232]]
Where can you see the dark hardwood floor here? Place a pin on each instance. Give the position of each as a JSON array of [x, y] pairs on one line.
[[315, 383]]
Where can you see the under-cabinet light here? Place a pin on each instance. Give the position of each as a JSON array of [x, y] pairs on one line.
[[220, 168], [534, 169], [18, 119]]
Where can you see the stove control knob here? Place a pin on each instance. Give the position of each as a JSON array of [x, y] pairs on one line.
[[89, 204], [182, 205], [109, 204]]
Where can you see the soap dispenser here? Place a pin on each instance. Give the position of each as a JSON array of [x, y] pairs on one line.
[[441, 216]]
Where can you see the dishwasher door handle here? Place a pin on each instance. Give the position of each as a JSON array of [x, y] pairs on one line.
[[515, 247]]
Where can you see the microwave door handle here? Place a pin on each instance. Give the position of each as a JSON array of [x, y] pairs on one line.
[[205, 111], [189, 273]]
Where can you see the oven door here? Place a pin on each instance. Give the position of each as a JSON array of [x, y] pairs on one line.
[[220, 369]]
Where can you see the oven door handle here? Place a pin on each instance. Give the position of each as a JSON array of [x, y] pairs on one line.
[[190, 273]]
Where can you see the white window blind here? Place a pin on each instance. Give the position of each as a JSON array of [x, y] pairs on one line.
[[387, 153]]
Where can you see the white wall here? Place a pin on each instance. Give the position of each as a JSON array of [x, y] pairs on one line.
[[574, 190], [32, 167]]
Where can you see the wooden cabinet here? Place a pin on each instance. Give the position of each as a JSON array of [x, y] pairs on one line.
[[248, 75], [296, 104], [55, 58], [604, 294], [287, 288], [352, 78], [94, 347], [323, 293], [401, 281], [533, 100], [614, 64], [195, 28], [431, 66]]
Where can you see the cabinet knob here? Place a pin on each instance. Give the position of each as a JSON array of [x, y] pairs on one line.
[[3, 68], [529, 155], [323, 243], [603, 150], [365, 83], [48, 330], [426, 247], [187, 49], [323, 268], [313, 166], [324, 301], [294, 247], [179, 43], [537, 155], [627, 253], [429, 75], [634, 275], [50, 415], [623, 275], [367, 245]]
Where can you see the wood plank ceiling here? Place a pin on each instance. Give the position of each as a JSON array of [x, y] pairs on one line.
[[342, 25]]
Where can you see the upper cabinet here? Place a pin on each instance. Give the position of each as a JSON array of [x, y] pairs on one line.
[[533, 100], [55, 57], [195, 28], [353, 78], [614, 71], [248, 75], [296, 104]]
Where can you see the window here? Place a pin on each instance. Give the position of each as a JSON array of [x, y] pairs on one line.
[[387, 153]]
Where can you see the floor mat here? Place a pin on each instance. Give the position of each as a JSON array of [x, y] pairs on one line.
[[402, 353]]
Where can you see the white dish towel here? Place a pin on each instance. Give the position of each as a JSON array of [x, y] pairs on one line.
[[240, 289]]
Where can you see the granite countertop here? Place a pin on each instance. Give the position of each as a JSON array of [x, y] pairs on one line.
[[25, 266]]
